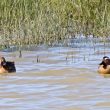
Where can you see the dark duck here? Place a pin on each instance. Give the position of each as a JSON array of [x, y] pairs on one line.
[[6, 66], [104, 66]]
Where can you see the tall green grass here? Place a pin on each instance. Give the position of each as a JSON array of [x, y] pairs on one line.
[[46, 21]]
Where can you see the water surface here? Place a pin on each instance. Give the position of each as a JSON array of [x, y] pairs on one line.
[[65, 78]]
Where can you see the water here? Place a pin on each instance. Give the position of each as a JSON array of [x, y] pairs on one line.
[[65, 79]]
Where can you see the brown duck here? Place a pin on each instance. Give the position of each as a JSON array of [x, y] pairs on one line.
[[6, 66], [104, 66]]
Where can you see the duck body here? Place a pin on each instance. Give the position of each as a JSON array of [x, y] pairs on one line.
[[7, 66], [104, 66], [103, 70]]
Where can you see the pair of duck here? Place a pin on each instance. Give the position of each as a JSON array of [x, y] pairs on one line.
[[8, 66]]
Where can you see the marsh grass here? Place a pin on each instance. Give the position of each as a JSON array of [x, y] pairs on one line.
[[50, 22]]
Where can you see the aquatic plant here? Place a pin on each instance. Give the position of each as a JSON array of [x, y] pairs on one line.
[[26, 22]]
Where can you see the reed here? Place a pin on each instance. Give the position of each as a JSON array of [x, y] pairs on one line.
[[26, 22]]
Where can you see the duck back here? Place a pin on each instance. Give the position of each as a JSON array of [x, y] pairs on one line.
[[9, 66]]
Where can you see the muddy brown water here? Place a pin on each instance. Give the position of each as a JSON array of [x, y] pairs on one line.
[[64, 79]]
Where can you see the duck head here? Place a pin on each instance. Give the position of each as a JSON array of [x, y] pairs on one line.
[[105, 57], [105, 62], [2, 61]]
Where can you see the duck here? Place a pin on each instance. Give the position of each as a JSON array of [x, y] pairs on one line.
[[104, 66], [7, 66]]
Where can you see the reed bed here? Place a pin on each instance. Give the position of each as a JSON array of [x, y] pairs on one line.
[[27, 22]]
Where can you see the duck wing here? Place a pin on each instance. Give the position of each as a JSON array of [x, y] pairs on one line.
[[10, 66]]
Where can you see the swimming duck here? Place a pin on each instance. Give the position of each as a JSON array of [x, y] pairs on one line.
[[104, 66], [6, 66]]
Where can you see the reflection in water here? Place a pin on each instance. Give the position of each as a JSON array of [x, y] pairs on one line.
[[105, 75], [64, 79]]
